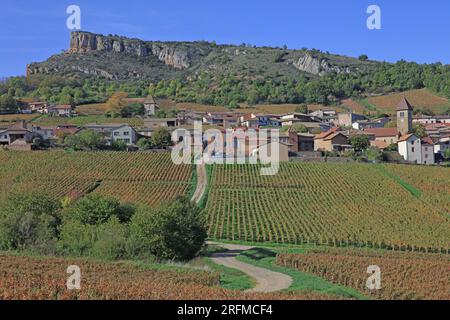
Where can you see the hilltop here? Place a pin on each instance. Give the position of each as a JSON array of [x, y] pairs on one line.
[[95, 66], [120, 58]]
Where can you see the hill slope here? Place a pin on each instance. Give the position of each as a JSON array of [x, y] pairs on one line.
[[120, 58]]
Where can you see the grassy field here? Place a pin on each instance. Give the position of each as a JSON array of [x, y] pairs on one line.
[[329, 204], [422, 98], [147, 178]]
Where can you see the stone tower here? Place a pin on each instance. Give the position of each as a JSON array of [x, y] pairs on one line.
[[404, 117]]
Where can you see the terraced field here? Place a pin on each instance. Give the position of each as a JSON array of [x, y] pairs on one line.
[[147, 178], [324, 203]]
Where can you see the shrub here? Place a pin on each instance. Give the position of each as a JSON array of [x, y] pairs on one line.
[[95, 209], [29, 222], [175, 231]]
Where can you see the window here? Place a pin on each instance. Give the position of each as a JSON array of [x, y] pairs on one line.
[[426, 156], [126, 133], [402, 114], [426, 148], [412, 149], [127, 140], [116, 134]]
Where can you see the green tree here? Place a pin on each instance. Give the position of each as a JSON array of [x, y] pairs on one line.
[[29, 222], [144, 144], [161, 138], [175, 231], [95, 209], [447, 154], [419, 130], [119, 145], [8, 104], [373, 154], [363, 57], [85, 140], [360, 142]]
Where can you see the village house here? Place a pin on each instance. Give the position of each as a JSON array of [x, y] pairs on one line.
[[386, 135], [38, 107], [331, 140], [17, 136], [437, 130], [431, 119], [161, 122], [297, 142], [373, 124], [441, 145], [115, 132], [348, 118], [324, 114], [44, 132], [265, 151], [64, 111], [415, 150]]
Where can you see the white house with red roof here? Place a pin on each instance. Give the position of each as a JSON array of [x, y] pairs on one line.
[[416, 150]]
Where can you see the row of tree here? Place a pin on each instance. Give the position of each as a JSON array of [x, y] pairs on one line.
[[232, 89], [101, 227]]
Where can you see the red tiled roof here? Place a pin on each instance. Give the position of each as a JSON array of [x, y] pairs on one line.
[[427, 140], [379, 144], [405, 137], [323, 135], [383, 132]]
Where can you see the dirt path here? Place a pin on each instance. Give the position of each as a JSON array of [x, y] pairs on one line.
[[201, 183], [266, 280]]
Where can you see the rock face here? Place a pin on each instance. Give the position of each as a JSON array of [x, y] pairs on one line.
[[171, 54], [125, 59], [312, 65]]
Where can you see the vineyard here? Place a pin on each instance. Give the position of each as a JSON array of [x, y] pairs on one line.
[[433, 182], [84, 120], [422, 98], [324, 203], [147, 178], [45, 279], [403, 275]]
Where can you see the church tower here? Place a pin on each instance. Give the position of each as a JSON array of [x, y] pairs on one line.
[[404, 117]]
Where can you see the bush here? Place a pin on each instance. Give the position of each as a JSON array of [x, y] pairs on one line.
[[95, 209], [76, 239], [174, 231], [29, 222], [111, 243], [360, 142], [85, 140], [161, 138]]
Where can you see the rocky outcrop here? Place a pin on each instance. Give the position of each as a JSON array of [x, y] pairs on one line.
[[320, 67], [171, 54]]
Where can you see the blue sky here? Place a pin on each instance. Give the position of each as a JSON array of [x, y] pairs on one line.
[[411, 30]]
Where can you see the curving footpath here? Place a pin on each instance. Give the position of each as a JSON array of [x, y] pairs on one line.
[[266, 280]]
